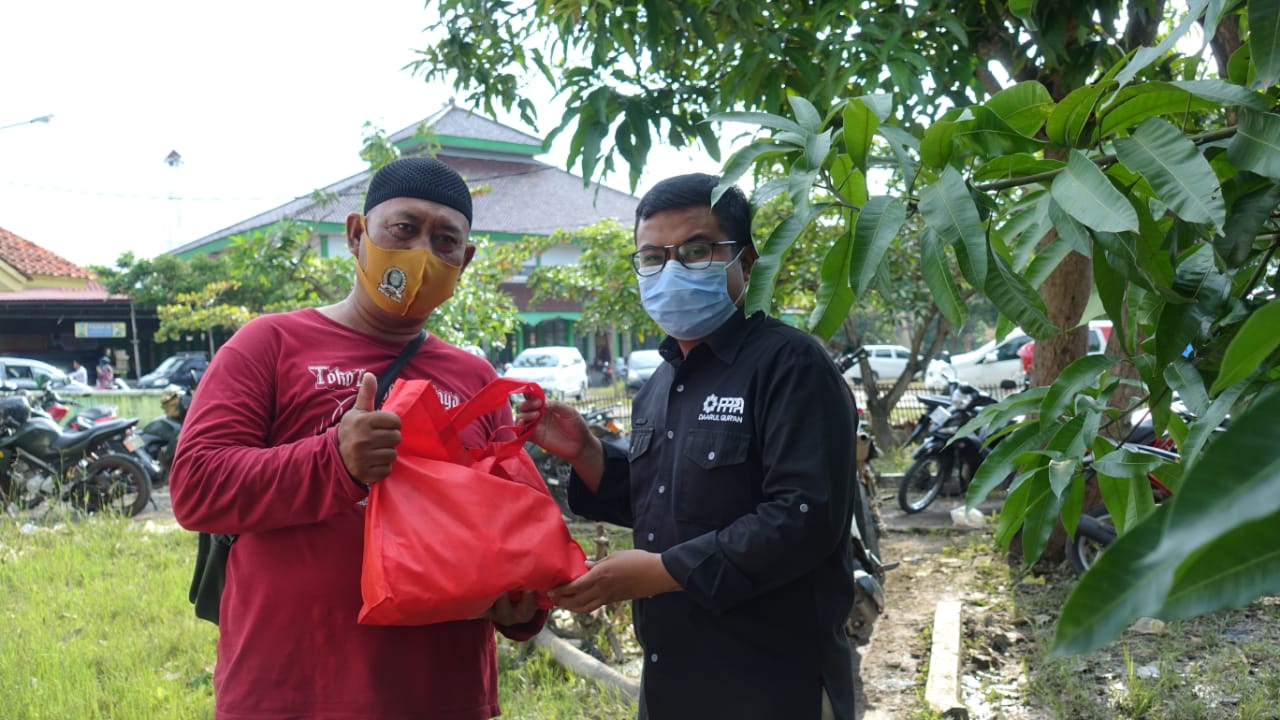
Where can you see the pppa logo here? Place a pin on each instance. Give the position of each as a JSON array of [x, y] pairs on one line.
[[723, 409]]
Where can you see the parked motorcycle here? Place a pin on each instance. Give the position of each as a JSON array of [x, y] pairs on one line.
[[39, 461], [940, 458], [1096, 529], [555, 470], [160, 436], [85, 418], [869, 570]]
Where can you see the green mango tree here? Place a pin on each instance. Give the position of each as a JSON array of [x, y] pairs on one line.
[[1118, 170]]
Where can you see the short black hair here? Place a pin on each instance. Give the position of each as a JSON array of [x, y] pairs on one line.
[[733, 212]]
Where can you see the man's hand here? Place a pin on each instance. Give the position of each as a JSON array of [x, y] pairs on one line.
[[562, 432], [507, 613], [624, 575], [367, 438]]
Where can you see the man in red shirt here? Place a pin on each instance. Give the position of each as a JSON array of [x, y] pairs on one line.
[[279, 447]]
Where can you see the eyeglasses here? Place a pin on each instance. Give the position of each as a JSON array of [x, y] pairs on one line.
[[693, 254]]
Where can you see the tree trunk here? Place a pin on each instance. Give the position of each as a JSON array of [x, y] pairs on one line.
[[1066, 293]]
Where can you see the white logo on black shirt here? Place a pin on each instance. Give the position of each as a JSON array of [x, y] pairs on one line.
[[723, 409]]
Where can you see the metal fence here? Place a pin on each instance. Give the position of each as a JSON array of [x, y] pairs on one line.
[[906, 412]]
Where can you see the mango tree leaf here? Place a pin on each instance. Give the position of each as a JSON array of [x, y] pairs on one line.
[[1138, 102], [1147, 55], [880, 104], [878, 223], [937, 144], [1004, 167], [1077, 376], [741, 161], [1248, 213], [1003, 460], [769, 120], [860, 125], [1045, 260], [807, 116], [901, 142], [988, 132], [1224, 93], [1206, 425], [834, 296], [764, 272], [1256, 145], [937, 276], [1015, 297], [1185, 380], [1178, 173], [1112, 287], [1043, 507], [1257, 339], [1235, 484], [1089, 197], [817, 147], [849, 181], [1070, 120], [948, 208], [1023, 107], [1226, 572], [1264, 41], [1196, 273]]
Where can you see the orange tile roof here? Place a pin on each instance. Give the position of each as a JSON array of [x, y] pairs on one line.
[[30, 259]]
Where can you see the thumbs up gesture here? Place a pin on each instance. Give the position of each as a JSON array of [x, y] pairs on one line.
[[367, 438]]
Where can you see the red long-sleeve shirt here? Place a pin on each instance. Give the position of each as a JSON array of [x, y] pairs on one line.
[[259, 458]]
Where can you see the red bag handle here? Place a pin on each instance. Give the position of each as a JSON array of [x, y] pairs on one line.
[[495, 395]]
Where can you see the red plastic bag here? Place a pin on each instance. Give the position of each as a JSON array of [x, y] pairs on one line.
[[452, 529]]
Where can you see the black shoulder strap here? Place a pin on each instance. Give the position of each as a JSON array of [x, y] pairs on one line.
[[388, 376]]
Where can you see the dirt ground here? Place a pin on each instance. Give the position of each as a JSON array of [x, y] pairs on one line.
[[933, 567]]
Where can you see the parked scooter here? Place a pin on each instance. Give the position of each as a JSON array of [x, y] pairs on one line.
[[940, 458], [555, 470], [160, 436], [39, 461]]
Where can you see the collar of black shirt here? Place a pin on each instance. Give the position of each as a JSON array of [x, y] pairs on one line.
[[726, 342]]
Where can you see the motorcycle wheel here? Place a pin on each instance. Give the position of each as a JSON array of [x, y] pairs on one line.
[[115, 484], [922, 482], [14, 495], [1083, 552]]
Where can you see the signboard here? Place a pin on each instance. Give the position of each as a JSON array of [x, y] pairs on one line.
[[100, 330]]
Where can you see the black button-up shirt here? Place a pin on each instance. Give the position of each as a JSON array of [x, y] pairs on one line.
[[740, 473]]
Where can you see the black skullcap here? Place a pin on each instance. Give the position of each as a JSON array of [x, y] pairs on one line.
[[419, 177]]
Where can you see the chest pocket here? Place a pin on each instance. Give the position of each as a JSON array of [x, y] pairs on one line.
[[640, 440], [715, 485]]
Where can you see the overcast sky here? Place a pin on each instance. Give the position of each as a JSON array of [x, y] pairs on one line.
[[264, 101]]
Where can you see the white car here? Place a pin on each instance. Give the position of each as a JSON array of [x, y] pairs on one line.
[[887, 362], [33, 374], [640, 367], [984, 368], [560, 370]]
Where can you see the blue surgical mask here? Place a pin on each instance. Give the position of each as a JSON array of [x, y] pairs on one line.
[[688, 304]]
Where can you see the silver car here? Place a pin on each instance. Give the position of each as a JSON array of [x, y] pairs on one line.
[[28, 374]]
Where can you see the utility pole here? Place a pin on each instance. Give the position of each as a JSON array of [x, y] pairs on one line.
[[173, 160]]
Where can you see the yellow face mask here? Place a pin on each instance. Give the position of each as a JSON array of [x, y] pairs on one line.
[[409, 283]]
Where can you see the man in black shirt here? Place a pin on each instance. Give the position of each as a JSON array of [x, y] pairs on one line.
[[738, 484]]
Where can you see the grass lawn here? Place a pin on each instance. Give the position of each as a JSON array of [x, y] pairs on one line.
[[95, 623]]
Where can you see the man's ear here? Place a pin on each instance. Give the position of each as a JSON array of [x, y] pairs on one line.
[[748, 260], [468, 253], [356, 229]]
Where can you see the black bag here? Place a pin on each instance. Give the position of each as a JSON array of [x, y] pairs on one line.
[[212, 550]]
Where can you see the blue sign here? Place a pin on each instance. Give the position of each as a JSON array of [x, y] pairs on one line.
[[100, 330]]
